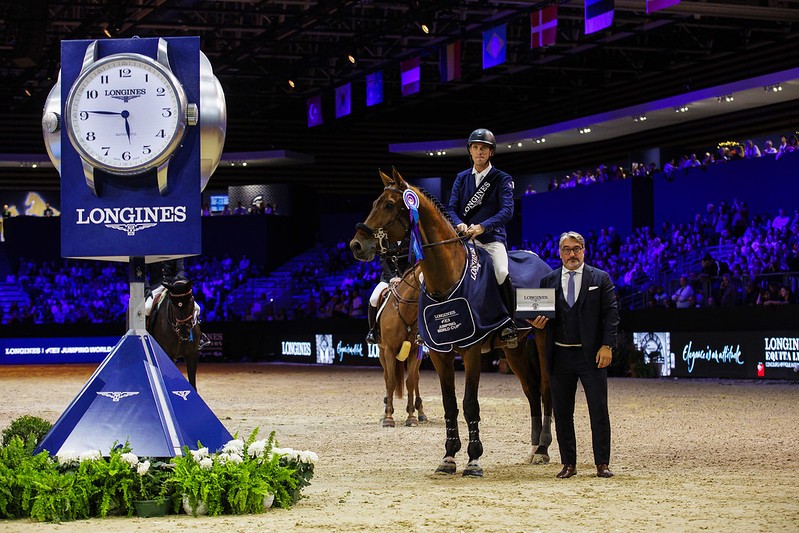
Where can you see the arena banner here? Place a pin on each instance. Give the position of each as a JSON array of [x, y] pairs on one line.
[[113, 216], [215, 349], [328, 349], [354, 350], [733, 354], [35, 351]]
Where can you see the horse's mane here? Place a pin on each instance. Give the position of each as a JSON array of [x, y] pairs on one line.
[[438, 205]]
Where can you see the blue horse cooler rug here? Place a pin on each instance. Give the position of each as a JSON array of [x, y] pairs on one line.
[[474, 308]]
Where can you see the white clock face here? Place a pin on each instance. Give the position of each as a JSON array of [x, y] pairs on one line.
[[126, 114]]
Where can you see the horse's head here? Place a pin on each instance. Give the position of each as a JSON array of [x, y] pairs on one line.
[[388, 221], [181, 307]]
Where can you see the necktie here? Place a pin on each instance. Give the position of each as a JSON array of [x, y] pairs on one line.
[[570, 289]]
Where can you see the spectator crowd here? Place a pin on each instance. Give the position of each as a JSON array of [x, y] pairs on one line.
[[725, 256]]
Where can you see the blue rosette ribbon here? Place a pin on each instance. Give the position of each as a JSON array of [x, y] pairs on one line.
[[415, 247]]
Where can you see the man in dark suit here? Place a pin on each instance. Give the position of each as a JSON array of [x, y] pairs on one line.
[[580, 340]]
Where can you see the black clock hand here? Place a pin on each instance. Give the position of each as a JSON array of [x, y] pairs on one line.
[[125, 114]]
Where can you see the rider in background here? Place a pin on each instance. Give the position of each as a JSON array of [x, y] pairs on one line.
[[163, 272], [394, 263], [481, 203], [168, 272]]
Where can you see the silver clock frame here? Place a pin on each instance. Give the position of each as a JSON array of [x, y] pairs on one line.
[[211, 115], [161, 161]]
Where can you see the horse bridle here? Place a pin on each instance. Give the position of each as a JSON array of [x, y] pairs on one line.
[[380, 233], [177, 324], [382, 237]]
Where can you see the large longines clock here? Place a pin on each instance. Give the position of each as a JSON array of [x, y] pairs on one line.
[[135, 127], [126, 114]]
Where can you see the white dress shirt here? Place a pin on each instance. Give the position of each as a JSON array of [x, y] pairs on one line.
[[478, 176]]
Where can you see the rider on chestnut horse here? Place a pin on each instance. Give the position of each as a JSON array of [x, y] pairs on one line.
[[480, 205], [394, 263]]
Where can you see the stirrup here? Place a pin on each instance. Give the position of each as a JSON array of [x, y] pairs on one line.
[[371, 338], [509, 336]]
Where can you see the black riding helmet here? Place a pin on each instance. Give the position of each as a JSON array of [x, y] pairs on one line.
[[483, 136]]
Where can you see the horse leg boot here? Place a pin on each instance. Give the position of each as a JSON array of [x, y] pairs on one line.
[[475, 450], [371, 313], [541, 438], [509, 334], [451, 447]]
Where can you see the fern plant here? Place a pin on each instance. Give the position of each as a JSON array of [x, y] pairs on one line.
[[256, 476], [239, 479], [195, 478], [13, 458]]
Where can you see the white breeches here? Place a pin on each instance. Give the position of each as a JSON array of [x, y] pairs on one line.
[[499, 255], [375, 297]]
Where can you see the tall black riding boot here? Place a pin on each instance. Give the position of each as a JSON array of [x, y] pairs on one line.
[[508, 333], [371, 313]]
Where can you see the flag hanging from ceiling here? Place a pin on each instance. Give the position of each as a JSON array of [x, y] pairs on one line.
[[544, 27], [374, 88], [343, 100], [494, 46], [598, 15], [657, 5], [449, 62], [411, 75], [314, 110]]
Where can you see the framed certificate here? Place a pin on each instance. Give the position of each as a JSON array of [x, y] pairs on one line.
[[533, 302]]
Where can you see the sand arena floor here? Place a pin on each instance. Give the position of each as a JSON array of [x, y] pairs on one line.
[[689, 455]]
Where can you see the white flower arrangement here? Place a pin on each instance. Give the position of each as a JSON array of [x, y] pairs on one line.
[[256, 449], [234, 446], [245, 476], [306, 456], [199, 455], [66, 458], [226, 457], [91, 455], [143, 468]]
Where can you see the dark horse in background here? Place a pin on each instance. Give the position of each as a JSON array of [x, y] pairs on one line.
[[173, 325], [397, 328], [444, 262]]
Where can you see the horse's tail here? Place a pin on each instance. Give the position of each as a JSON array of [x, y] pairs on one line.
[[399, 376]]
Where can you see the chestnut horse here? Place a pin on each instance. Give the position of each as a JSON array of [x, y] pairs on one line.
[[444, 261], [397, 328], [174, 328]]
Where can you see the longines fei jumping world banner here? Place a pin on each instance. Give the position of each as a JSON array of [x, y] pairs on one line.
[[130, 148], [772, 354]]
